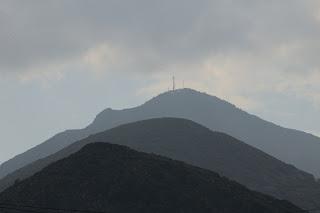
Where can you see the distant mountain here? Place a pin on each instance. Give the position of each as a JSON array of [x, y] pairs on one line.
[[192, 143], [291, 146], [113, 178]]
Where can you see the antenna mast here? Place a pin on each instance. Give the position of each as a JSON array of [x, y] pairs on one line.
[[173, 84]]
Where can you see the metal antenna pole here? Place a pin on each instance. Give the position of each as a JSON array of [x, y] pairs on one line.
[[173, 84]]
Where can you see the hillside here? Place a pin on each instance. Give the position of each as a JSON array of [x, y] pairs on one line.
[[113, 178], [192, 143], [290, 146]]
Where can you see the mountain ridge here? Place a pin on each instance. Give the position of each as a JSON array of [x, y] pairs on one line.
[[291, 146], [187, 141], [115, 178], [300, 148]]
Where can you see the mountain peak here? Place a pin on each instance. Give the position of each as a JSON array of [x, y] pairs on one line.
[[187, 92], [184, 91], [181, 97]]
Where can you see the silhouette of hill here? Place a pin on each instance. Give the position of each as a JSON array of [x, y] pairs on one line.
[[113, 178], [291, 146], [192, 143]]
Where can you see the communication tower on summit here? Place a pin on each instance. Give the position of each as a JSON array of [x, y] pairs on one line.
[[173, 84]]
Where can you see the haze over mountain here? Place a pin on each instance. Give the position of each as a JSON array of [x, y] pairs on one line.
[[291, 146], [117, 179], [192, 143]]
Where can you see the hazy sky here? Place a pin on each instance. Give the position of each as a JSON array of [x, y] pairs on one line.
[[62, 62]]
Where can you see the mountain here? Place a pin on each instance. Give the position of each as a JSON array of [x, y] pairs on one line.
[[197, 145], [291, 146], [113, 178]]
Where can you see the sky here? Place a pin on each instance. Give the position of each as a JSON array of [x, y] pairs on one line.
[[62, 62]]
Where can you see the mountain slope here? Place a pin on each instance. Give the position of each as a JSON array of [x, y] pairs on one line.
[[113, 178], [192, 143], [291, 146]]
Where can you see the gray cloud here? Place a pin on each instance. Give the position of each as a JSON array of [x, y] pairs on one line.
[[36, 33]]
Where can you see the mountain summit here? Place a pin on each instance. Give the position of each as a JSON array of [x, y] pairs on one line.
[[291, 146]]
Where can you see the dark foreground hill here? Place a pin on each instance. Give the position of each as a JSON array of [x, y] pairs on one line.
[[113, 178], [192, 143], [290, 146]]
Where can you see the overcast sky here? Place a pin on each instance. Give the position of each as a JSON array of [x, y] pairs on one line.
[[62, 62]]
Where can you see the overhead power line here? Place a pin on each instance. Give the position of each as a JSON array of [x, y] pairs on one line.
[[37, 209], [20, 209]]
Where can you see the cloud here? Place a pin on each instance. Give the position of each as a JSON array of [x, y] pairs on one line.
[[37, 33], [230, 44]]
